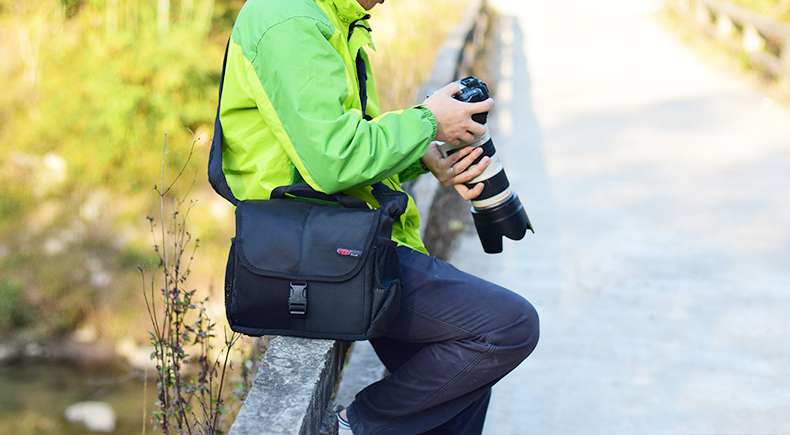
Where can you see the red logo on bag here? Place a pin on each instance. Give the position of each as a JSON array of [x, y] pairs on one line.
[[349, 252]]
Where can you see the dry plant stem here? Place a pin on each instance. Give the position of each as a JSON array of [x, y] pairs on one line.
[[188, 403], [145, 397]]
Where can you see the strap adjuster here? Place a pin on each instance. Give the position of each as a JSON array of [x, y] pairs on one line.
[[297, 300]]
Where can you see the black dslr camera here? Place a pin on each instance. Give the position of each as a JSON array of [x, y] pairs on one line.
[[497, 212]]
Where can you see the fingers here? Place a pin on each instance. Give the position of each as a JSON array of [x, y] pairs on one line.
[[444, 170], [450, 90], [469, 135], [467, 161], [452, 159], [467, 193], [473, 172], [476, 129], [483, 106], [435, 152], [446, 178]]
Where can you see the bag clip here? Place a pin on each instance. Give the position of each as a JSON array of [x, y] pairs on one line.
[[297, 301]]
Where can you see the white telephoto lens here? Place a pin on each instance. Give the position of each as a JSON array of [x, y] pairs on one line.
[[446, 149], [492, 169], [493, 201]]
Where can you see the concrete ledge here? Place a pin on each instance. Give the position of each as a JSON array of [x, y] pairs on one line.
[[294, 384]]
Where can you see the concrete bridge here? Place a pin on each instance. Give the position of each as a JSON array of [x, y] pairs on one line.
[[660, 190]]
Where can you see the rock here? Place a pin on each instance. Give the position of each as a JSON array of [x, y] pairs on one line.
[[85, 334], [34, 350], [139, 357], [8, 353], [95, 416]]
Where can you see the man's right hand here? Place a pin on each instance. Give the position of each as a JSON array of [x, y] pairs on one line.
[[457, 169], [454, 118]]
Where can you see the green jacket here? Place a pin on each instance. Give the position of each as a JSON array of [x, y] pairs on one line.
[[291, 112]]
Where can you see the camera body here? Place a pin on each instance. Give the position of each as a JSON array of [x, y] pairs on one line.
[[497, 212]]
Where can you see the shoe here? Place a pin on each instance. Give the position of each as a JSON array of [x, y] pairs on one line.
[[343, 428]]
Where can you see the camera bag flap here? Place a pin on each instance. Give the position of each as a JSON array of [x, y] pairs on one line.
[[302, 240], [312, 270]]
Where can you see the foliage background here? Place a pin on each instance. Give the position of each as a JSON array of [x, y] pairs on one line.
[[92, 89], [775, 8]]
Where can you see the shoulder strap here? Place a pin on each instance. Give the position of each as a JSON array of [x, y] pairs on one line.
[[216, 176]]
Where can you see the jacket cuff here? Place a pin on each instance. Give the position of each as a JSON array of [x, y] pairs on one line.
[[412, 171], [428, 117]]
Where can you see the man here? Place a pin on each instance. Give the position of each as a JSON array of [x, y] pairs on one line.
[[293, 110]]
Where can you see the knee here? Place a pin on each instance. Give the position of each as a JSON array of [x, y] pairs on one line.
[[531, 334], [520, 327]]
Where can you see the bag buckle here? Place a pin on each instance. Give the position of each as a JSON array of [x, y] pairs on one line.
[[297, 300]]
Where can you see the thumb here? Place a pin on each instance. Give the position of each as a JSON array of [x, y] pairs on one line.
[[450, 90]]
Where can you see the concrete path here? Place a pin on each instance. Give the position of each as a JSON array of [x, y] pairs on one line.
[[660, 190]]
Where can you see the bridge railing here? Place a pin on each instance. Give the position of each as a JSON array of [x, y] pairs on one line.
[[298, 378], [764, 40]]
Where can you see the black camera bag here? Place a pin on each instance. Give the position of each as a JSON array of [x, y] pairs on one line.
[[324, 267]]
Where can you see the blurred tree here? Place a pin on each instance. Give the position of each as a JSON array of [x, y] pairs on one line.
[[96, 84], [775, 8], [92, 88]]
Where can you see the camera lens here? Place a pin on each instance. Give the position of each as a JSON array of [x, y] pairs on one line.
[[497, 212]]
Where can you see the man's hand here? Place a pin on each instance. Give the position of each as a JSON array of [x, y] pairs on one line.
[[457, 169], [454, 118]]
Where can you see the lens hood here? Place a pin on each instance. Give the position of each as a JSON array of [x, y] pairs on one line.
[[508, 219]]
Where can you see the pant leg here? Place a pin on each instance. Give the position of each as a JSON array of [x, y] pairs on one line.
[[394, 353], [474, 332], [468, 422]]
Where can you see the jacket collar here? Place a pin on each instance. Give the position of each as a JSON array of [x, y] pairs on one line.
[[348, 10]]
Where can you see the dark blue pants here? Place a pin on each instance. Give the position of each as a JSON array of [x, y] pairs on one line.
[[455, 336]]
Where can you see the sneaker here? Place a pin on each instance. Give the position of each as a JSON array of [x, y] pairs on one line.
[[343, 428]]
